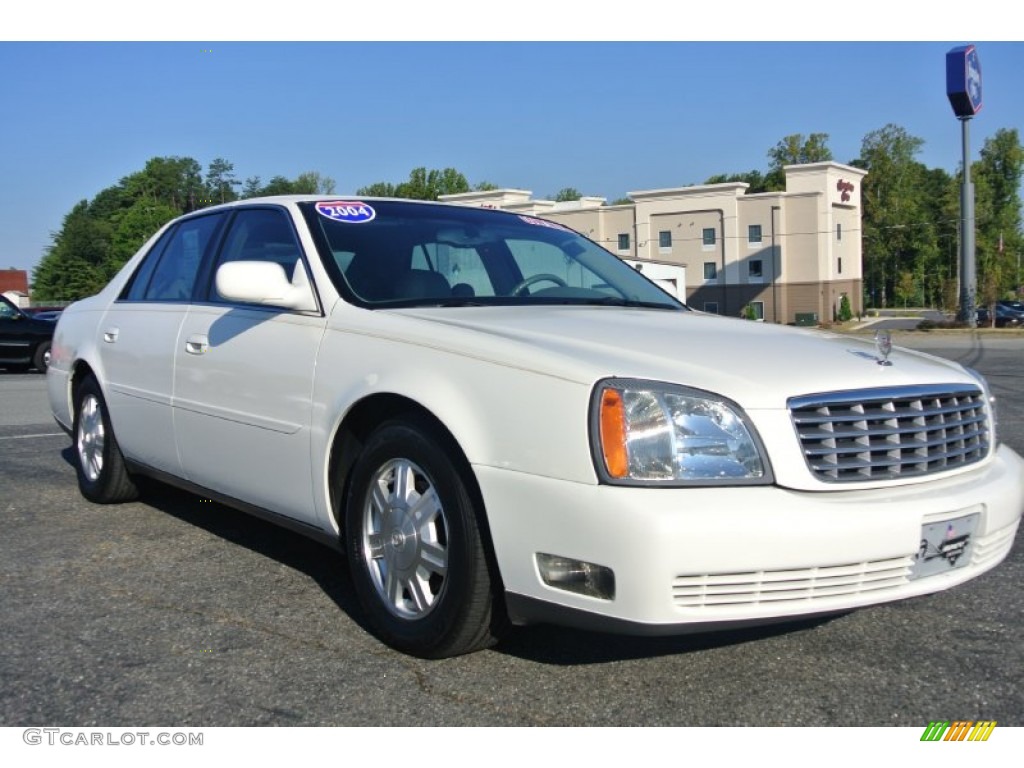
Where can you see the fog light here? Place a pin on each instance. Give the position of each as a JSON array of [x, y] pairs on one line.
[[577, 576]]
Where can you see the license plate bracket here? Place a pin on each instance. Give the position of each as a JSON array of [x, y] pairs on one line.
[[945, 546]]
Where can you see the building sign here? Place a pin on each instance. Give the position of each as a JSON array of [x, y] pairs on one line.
[[845, 189], [963, 80]]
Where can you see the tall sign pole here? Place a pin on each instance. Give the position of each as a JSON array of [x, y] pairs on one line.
[[963, 87]]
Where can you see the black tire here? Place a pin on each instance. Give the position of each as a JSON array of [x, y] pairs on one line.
[[102, 475], [41, 359], [415, 551]]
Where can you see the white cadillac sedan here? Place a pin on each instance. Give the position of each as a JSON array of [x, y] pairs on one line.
[[498, 421]]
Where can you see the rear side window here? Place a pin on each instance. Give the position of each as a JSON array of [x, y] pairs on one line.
[[168, 272]]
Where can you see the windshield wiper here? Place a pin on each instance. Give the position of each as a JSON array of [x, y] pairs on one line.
[[459, 302], [617, 301]]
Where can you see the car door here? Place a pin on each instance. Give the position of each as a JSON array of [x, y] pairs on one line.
[[138, 336], [15, 345], [244, 379]]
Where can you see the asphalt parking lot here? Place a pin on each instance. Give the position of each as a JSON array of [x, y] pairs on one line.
[[175, 610]]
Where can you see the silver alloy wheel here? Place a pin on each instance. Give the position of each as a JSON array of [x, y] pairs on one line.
[[46, 358], [405, 539], [91, 437]]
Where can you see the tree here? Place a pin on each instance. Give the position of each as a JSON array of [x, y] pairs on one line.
[[900, 233], [845, 310], [906, 287], [313, 183], [176, 181], [756, 180], [430, 185], [997, 180], [485, 186], [73, 266], [220, 181], [278, 185], [567, 194], [252, 187], [795, 149], [377, 189]]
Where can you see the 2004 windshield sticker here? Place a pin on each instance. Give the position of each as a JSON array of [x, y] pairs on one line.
[[347, 212]]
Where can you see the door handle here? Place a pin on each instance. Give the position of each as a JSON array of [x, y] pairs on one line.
[[197, 344], [110, 335]]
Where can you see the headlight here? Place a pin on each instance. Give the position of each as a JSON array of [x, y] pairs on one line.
[[650, 433]]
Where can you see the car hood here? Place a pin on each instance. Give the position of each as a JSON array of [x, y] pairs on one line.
[[756, 364]]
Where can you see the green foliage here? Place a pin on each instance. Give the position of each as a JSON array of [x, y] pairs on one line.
[[905, 215], [845, 310], [484, 186], [313, 183], [421, 185], [567, 194], [906, 287], [76, 260], [795, 149], [997, 178], [748, 312], [377, 189], [757, 181], [220, 181]]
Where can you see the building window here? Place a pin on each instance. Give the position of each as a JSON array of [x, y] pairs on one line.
[[709, 237], [710, 270], [754, 235], [755, 269], [839, 231], [758, 307], [711, 307], [665, 240], [840, 265], [624, 241]]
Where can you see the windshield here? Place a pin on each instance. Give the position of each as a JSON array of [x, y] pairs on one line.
[[385, 253]]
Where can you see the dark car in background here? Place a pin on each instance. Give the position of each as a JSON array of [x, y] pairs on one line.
[[24, 340], [1006, 316]]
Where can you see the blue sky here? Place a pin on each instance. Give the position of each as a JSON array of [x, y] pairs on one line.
[[605, 118]]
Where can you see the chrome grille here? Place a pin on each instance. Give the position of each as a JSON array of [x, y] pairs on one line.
[[884, 434]]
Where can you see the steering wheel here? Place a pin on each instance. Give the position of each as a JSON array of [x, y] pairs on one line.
[[522, 285]]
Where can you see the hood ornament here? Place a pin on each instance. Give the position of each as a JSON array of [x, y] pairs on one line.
[[883, 345]]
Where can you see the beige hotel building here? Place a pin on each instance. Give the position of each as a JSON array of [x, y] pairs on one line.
[[790, 255]]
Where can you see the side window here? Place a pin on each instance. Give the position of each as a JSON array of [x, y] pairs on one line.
[[175, 274], [261, 234], [136, 288]]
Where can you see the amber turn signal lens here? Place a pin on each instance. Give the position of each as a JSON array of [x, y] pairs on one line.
[[613, 434]]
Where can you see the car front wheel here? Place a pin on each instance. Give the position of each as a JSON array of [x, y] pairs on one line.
[[102, 475], [415, 550]]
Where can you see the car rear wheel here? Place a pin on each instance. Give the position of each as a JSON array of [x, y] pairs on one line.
[[41, 359], [415, 550], [102, 475]]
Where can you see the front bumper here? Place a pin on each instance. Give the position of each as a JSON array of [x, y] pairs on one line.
[[709, 558]]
